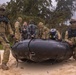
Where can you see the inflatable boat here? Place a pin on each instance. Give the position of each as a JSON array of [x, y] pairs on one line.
[[39, 50]]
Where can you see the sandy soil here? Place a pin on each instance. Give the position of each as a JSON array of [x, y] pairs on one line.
[[46, 68]]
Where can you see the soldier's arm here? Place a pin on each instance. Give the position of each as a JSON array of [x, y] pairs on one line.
[[16, 27], [45, 30], [67, 39], [66, 36], [10, 29], [17, 31], [59, 36]]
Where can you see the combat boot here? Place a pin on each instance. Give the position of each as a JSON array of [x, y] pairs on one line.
[[4, 67]]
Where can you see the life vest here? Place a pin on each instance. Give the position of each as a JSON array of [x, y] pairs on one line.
[[53, 34], [71, 33]]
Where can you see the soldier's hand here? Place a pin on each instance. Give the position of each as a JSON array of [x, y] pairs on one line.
[[14, 38], [70, 42], [59, 39], [32, 36]]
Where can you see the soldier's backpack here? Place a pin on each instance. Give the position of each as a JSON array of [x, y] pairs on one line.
[[53, 34]]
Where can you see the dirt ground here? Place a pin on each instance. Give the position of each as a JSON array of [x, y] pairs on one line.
[[46, 68]]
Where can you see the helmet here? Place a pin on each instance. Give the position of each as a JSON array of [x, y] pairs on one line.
[[2, 8], [19, 19], [53, 30], [40, 24], [72, 21]]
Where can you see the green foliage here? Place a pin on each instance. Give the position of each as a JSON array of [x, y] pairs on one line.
[[38, 8], [41, 9], [63, 11], [36, 19]]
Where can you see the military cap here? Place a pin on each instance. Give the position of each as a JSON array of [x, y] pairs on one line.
[[2, 8]]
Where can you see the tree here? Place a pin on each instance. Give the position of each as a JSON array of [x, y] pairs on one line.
[[35, 8], [63, 11], [41, 9]]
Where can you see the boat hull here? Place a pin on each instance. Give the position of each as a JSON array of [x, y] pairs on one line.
[[40, 50]]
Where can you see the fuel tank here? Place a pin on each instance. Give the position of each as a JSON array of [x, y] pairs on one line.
[[39, 50]]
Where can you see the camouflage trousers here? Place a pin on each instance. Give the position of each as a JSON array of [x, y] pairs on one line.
[[6, 47], [74, 53], [17, 37]]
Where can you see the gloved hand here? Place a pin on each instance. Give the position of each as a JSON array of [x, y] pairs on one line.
[[59, 40], [32, 36]]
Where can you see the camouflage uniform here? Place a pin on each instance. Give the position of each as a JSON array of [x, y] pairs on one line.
[[43, 31], [18, 29], [72, 40], [24, 31], [3, 39]]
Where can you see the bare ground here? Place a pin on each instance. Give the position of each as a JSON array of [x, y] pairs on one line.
[[46, 68]]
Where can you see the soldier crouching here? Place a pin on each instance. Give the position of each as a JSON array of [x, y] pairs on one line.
[[70, 36]]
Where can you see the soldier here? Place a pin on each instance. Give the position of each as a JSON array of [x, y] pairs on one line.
[[4, 26], [70, 36], [18, 29], [32, 30], [24, 31], [43, 31], [54, 34]]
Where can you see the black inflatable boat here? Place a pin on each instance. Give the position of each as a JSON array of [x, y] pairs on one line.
[[39, 50]]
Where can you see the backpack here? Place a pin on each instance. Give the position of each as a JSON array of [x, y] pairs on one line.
[[53, 34]]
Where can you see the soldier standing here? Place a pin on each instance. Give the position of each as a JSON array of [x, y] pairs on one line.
[[32, 30], [43, 31], [70, 36], [4, 26], [18, 29]]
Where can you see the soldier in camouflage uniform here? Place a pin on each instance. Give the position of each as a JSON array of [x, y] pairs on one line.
[[18, 29], [24, 31], [70, 36], [4, 26], [43, 31]]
